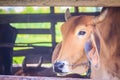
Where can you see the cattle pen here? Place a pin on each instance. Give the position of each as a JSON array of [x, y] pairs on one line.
[[51, 18]]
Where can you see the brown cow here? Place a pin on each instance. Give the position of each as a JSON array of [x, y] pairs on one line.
[[94, 39]]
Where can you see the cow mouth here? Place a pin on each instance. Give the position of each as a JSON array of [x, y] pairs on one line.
[[83, 64], [62, 74], [72, 66]]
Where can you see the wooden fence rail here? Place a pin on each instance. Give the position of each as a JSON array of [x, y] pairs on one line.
[[60, 2], [52, 17], [3, 77]]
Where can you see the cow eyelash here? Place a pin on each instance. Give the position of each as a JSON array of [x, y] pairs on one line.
[[81, 33]]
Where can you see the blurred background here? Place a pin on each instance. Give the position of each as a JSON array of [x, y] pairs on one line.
[[30, 41]]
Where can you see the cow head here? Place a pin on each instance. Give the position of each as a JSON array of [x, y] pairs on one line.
[[80, 44]]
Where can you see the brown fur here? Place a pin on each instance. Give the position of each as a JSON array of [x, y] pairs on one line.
[[108, 30], [110, 47]]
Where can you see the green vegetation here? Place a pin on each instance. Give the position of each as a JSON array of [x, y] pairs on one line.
[[24, 10], [18, 60], [43, 25]]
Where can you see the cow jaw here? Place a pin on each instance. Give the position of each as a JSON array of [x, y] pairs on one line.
[[80, 68]]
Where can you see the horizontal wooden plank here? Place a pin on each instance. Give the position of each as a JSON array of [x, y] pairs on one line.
[[60, 2], [12, 18], [7, 77], [34, 31], [23, 18]]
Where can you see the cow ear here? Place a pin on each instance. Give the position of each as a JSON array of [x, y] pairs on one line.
[[56, 52], [67, 14], [92, 50]]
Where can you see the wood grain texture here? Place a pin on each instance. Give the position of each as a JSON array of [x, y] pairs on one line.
[[2, 77], [59, 2]]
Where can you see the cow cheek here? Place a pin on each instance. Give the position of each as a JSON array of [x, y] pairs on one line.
[[78, 61]]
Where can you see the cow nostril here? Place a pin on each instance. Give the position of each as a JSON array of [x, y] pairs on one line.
[[62, 65], [59, 64], [58, 67]]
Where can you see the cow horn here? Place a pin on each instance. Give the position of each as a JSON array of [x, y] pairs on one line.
[[40, 62], [24, 64], [101, 17], [67, 14]]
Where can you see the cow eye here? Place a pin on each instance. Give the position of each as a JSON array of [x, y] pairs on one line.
[[81, 33]]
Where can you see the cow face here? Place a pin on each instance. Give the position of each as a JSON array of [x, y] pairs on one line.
[[72, 57], [79, 39]]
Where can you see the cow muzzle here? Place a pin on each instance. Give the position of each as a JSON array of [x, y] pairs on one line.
[[61, 67]]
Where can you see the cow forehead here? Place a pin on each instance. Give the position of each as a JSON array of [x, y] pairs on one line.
[[73, 22]]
